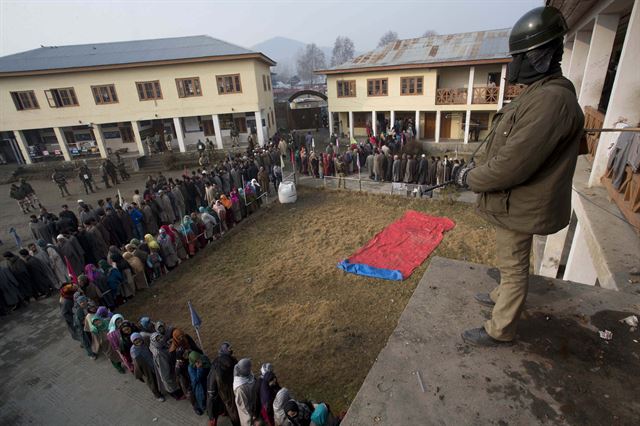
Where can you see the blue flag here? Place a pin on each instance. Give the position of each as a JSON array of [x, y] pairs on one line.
[[195, 319]]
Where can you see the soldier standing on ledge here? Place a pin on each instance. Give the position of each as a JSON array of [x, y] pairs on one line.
[[525, 185]]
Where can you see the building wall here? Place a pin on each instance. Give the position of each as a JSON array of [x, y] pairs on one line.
[[450, 77], [129, 107]]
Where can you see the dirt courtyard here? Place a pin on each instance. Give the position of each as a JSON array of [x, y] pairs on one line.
[[273, 290]]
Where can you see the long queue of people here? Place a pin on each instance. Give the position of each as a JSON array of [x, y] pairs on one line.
[[172, 364], [119, 247]]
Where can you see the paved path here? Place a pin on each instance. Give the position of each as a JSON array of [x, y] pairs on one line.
[[48, 379]]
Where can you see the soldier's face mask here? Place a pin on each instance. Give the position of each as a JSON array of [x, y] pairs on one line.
[[528, 67]]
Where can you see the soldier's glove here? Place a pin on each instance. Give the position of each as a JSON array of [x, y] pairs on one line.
[[461, 179]]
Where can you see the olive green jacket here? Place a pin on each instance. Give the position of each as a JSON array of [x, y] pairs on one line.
[[525, 185]]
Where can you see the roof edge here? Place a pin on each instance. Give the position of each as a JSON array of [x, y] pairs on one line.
[[414, 66], [252, 55]]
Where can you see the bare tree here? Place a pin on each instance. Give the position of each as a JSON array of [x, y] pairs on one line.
[[309, 60], [343, 51], [388, 37], [429, 33]]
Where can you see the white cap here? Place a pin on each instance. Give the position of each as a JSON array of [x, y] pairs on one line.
[[80, 201]]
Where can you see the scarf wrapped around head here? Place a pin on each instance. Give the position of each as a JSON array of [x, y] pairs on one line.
[[225, 349], [242, 374], [268, 392], [135, 242], [167, 229], [112, 322], [104, 313], [226, 202], [104, 265], [67, 291], [148, 238], [146, 325], [320, 415], [91, 272], [140, 351], [185, 228], [92, 307], [98, 324], [178, 340], [282, 397], [41, 243]]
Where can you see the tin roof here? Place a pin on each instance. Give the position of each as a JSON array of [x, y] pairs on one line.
[[479, 46], [50, 58]]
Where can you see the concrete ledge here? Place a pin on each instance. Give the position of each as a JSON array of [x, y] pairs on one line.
[[559, 372], [614, 245]]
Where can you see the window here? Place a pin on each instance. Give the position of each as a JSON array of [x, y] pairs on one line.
[[60, 98], [264, 82], [148, 90], [25, 100], [188, 87], [411, 86], [346, 88], [104, 94], [229, 84], [207, 127], [377, 87], [269, 82]]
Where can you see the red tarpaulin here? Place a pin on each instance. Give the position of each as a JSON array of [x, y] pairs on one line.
[[399, 248]]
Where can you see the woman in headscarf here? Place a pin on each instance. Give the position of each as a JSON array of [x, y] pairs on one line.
[[199, 367], [250, 194], [114, 278], [186, 230], [97, 278], [210, 224], [221, 211], [279, 415], [79, 314], [18, 269], [179, 241], [115, 339], [220, 396], [199, 229], [269, 388], [163, 363], [143, 367], [139, 277], [57, 264], [245, 391], [235, 206], [126, 329], [66, 307], [179, 339], [164, 331], [128, 288], [167, 250], [182, 375], [228, 214], [147, 328], [99, 328]]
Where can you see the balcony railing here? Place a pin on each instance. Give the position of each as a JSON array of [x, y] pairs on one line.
[[593, 119], [451, 96], [513, 90], [485, 95]]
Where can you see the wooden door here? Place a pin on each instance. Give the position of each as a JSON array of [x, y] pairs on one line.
[[429, 129], [445, 126], [241, 124]]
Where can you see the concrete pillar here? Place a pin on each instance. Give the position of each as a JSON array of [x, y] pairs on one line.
[[374, 128], [393, 119], [579, 58], [179, 134], [503, 85], [553, 253], [351, 125], [417, 124], [466, 126], [472, 71], [595, 71], [437, 135], [579, 264], [330, 122], [62, 141], [259, 128], [566, 56], [97, 132], [136, 135], [216, 129], [22, 144], [624, 101]]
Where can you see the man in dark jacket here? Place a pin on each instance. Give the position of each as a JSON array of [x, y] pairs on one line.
[[220, 396], [525, 185], [58, 178], [43, 282]]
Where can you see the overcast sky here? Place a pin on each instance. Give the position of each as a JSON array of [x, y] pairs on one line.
[[27, 24]]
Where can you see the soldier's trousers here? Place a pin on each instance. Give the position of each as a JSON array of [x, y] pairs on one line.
[[513, 253]]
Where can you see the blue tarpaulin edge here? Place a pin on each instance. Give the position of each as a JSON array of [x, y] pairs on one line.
[[370, 271]]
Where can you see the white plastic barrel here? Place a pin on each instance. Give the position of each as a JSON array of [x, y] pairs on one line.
[[287, 192]]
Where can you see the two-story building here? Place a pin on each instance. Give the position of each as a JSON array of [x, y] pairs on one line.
[[70, 101], [450, 86]]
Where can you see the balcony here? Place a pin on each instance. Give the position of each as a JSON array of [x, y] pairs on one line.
[[485, 95], [451, 96], [593, 119]]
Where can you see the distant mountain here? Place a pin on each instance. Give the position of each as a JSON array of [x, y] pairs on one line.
[[285, 50]]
